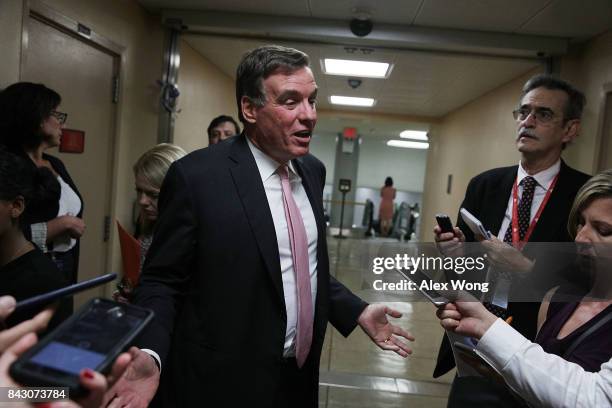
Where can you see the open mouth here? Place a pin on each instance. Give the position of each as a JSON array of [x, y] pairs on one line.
[[303, 134], [303, 137]]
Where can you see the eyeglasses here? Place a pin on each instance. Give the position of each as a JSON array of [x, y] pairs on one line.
[[542, 115], [60, 116]]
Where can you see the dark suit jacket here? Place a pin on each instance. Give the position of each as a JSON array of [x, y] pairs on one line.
[[212, 276], [487, 198]]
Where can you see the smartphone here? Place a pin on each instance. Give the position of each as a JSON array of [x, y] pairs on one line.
[[474, 224], [92, 338], [418, 277], [50, 297], [444, 223]]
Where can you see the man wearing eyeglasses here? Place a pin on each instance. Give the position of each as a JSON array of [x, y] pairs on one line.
[[529, 202]]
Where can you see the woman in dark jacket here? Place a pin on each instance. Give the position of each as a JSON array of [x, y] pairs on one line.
[[30, 123], [24, 270]]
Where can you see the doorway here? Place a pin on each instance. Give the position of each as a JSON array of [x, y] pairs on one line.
[[83, 74]]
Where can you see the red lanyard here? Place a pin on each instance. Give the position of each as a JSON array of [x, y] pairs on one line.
[[515, 227]]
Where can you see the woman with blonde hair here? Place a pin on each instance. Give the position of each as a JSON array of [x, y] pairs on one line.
[[149, 173]]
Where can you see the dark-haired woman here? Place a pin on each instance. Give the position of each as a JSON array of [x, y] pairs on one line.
[[24, 270], [385, 213], [30, 123]]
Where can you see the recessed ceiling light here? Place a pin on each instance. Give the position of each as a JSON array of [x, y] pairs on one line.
[[367, 69], [351, 101], [414, 134], [408, 144]]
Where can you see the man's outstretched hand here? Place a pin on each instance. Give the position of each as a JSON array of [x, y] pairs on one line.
[[373, 320], [138, 384]]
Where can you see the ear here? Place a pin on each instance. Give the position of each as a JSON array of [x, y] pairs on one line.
[[572, 129], [249, 109], [17, 207]]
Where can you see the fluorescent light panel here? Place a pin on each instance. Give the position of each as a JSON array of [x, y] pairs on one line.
[[367, 69], [351, 101], [408, 144], [414, 135]]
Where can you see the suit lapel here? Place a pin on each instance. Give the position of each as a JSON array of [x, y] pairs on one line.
[[498, 200], [255, 203], [315, 197], [554, 216], [311, 188]]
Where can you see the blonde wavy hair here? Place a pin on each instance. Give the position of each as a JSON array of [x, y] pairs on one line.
[[598, 186], [153, 166]]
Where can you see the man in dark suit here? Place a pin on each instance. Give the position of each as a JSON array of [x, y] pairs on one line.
[[238, 271], [548, 118]]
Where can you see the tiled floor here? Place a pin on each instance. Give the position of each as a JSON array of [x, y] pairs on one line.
[[354, 371]]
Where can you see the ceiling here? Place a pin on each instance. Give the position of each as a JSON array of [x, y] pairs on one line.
[[446, 53]]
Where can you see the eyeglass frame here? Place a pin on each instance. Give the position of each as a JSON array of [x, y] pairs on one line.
[[536, 112], [61, 117]]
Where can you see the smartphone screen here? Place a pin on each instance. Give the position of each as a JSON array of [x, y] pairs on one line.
[[86, 343], [91, 339]]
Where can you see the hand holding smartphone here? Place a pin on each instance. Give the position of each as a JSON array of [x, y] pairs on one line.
[[92, 338], [444, 223]]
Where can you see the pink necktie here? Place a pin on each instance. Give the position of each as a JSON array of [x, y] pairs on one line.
[[299, 253]]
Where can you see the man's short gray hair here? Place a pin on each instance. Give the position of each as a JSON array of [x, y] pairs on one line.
[[575, 99], [258, 64]]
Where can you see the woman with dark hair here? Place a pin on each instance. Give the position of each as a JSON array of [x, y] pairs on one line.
[[24, 270], [385, 213], [30, 123]]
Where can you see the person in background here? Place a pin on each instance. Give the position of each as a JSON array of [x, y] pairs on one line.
[[577, 332], [24, 270], [30, 124], [221, 128], [385, 212], [149, 173]]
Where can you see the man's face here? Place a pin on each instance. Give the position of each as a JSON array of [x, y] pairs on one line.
[[222, 132], [547, 134], [283, 125]]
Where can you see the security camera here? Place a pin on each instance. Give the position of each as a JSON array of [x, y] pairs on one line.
[[354, 83], [361, 27]]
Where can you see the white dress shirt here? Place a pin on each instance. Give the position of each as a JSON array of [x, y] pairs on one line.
[[69, 204], [544, 179], [544, 379], [272, 185]]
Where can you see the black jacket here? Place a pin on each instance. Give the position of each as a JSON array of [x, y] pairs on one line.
[[212, 276]]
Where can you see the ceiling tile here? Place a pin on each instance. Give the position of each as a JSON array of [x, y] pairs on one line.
[[495, 15], [387, 11], [297, 8], [571, 18]]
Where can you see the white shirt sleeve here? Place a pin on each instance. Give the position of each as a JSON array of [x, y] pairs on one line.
[[39, 235], [155, 357], [544, 379]]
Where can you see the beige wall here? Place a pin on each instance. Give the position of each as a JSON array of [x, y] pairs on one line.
[[11, 14], [126, 24], [476, 137], [590, 69], [206, 93]]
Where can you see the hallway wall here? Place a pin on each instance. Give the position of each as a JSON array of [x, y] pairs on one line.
[[206, 92], [590, 69]]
